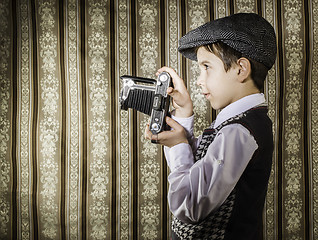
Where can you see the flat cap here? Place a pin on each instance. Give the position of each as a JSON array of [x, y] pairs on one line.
[[247, 33]]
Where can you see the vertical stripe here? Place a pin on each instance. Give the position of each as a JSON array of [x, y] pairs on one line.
[[73, 111], [221, 8], [124, 149], [68, 92], [271, 91], [34, 127], [14, 107], [313, 113], [84, 120], [293, 202], [231, 6], [281, 95], [183, 20], [49, 121], [99, 156], [305, 105], [148, 61], [5, 124], [213, 15], [173, 23], [24, 142], [259, 7], [197, 14], [212, 10], [173, 60], [113, 119], [63, 145], [133, 129], [163, 191]]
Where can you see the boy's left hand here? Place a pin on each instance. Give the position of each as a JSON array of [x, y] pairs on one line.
[[170, 138]]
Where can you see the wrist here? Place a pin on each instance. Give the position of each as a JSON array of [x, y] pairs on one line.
[[183, 112], [172, 144]]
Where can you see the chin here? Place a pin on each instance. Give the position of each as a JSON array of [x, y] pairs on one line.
[[214, 106]]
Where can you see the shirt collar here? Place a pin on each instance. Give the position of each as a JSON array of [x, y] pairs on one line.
[[238, 107]]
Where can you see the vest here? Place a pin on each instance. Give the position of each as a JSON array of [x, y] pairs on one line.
[[240, 216]]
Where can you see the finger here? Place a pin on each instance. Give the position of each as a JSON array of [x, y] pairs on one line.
[[155, 139], [172, 123], [148, 133], [173, 93], [164, 69], [175, 77], [170, 90]]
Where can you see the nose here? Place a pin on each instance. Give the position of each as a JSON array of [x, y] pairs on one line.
[[200, 80]]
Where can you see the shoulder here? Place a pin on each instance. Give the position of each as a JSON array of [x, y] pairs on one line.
[[255, 120], [236, 132], [255, 124]]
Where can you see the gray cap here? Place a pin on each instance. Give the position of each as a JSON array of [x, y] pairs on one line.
[[247, 33]]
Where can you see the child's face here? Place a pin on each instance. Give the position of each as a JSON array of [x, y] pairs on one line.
[[218, 86]]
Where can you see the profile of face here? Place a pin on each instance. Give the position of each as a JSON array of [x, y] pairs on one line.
[[220, 87]]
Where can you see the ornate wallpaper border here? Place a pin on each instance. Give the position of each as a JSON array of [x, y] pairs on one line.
[[5, 167], [24, 186], [98, 88], [48, 122], [149, 173], [124, 148], [73, 168], [269, 11], [198, 15], [293, 44]]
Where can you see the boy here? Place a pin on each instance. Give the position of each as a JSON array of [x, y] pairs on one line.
[[218, 182]]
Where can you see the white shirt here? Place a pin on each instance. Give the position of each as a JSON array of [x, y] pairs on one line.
[[196, 189]]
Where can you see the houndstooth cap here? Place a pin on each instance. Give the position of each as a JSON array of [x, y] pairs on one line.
[[248, 33]]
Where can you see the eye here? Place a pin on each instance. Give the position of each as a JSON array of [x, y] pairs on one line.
[[206, 67]]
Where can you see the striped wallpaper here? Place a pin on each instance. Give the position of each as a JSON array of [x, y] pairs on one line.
[[74, 166]]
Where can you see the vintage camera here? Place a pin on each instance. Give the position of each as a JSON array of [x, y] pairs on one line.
[[148, 96]]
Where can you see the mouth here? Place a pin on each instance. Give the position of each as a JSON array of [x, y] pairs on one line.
[[206, 95]]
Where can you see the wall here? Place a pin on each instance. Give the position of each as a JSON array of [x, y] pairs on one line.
[[74, 166]]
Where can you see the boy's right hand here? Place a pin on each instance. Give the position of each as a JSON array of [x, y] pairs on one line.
[[181, 98], [170, 138]]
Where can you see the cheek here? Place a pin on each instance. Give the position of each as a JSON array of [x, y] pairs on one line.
[[211, 81], [214, 84]]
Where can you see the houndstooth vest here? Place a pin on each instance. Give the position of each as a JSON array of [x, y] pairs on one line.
[[213, 226]]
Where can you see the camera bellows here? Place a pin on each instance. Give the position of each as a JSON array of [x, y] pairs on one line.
[[139, 99]]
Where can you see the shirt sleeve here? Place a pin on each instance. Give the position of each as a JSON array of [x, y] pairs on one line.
[[195, 189], [187, 124]]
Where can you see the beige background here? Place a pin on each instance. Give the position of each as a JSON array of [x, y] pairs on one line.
[[74, 166]]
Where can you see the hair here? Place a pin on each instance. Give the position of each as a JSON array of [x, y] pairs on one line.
[[229, 57]]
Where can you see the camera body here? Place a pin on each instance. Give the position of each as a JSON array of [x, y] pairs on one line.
[[148, 96]]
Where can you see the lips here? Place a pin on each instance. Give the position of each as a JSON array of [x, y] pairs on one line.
[[206, 94]]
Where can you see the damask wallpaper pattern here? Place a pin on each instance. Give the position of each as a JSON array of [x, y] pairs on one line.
[[74, 166]]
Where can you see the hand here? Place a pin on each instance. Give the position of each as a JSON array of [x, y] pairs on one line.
[[170, 138], [181, 98]]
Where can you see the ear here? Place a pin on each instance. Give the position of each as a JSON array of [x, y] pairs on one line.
[[244, 69]]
